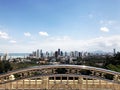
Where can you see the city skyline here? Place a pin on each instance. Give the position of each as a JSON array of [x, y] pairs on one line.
[[71, 25]]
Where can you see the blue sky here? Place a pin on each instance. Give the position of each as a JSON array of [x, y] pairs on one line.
[[84, 25]]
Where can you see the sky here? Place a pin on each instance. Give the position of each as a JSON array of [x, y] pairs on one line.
[[71, 25]]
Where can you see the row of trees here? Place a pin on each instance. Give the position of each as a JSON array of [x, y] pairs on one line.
[[107, 62], [113, 63]]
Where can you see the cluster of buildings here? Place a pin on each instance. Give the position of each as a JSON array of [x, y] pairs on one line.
[[39, 54], [56, 57], [59, 56]]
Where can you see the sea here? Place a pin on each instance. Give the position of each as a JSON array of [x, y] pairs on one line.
[[15, 55]]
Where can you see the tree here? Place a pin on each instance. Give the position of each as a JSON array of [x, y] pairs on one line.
[[1, 67], [5, 66]]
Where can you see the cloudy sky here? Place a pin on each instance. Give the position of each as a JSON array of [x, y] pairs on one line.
[[83, 25]]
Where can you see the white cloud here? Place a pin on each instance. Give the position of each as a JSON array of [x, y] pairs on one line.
[[104, 29], [4, 35], [12, 41], [100, 43], [27, 34], [66, 43], [105, 43], [43, 33]]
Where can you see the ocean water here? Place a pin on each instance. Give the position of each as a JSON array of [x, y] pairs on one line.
[[15, 55]]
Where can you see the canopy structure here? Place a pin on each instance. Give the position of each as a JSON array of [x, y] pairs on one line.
[[60, 77]]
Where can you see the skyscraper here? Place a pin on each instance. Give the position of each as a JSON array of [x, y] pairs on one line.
[[56, 54], [41, 53], [38, 53], [59, 52], [114, 51]]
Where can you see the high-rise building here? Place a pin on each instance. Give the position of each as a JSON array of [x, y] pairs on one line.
[[34, 53], [5, 56], [72, 54], [76, 54], [59, 52], [47, 54], [51, 54], [65, 53], [56, 54], [114, 51], [80, 54], [41, 53], [38, 53]]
